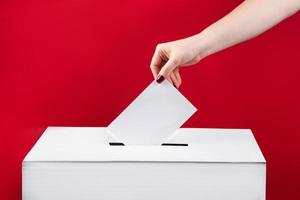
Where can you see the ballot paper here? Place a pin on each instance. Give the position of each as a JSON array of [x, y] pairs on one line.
[[153, 116]]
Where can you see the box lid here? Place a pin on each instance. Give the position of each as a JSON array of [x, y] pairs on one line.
[[91, 144]]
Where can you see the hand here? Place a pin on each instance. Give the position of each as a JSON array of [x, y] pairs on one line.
[[248, 20], [168, 57]]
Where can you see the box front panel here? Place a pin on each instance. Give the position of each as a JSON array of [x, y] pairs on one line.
[[136, 181]]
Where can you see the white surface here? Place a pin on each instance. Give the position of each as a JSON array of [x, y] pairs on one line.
[[155, 114], [143, 181], [77, 163], [91, 144]]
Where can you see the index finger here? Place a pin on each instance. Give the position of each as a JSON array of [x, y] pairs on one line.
[[156, 63]]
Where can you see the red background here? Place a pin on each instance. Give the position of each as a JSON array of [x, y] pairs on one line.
[[81, 62]]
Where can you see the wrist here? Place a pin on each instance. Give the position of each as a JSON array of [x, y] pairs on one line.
[[203, 45]]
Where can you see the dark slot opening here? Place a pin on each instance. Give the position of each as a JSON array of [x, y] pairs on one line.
[[116, 144], [173, 144], [164, 144]]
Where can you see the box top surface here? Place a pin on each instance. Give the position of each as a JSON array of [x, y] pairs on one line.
[[91, 144]]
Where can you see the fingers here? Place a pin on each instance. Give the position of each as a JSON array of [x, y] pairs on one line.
[[165, 70], [170, 65], [177, 76], [156, 64], [163, 67], [174, 80], [169, 78]]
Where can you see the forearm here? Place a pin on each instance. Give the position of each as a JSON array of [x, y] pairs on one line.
[[248, 20]]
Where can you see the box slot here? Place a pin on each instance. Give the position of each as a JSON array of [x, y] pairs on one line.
[[116, 144], [173, 144]]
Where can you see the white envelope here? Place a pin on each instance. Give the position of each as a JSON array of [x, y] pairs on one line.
[[153, 116]]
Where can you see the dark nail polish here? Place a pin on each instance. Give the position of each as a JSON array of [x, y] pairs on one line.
[[160, 79]]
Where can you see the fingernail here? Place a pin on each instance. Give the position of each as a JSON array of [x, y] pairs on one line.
[[160, 79]]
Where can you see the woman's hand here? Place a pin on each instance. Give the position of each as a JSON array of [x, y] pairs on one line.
[[168, 57], [248, 20]]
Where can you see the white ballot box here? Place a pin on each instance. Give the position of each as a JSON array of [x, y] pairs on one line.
[[79, 163]]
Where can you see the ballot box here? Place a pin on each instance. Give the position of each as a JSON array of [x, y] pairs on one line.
[[86, 163]]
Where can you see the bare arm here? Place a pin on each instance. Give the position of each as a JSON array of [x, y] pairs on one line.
[[249, 19]]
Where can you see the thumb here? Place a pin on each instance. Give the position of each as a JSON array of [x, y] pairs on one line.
[[166, 70]]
